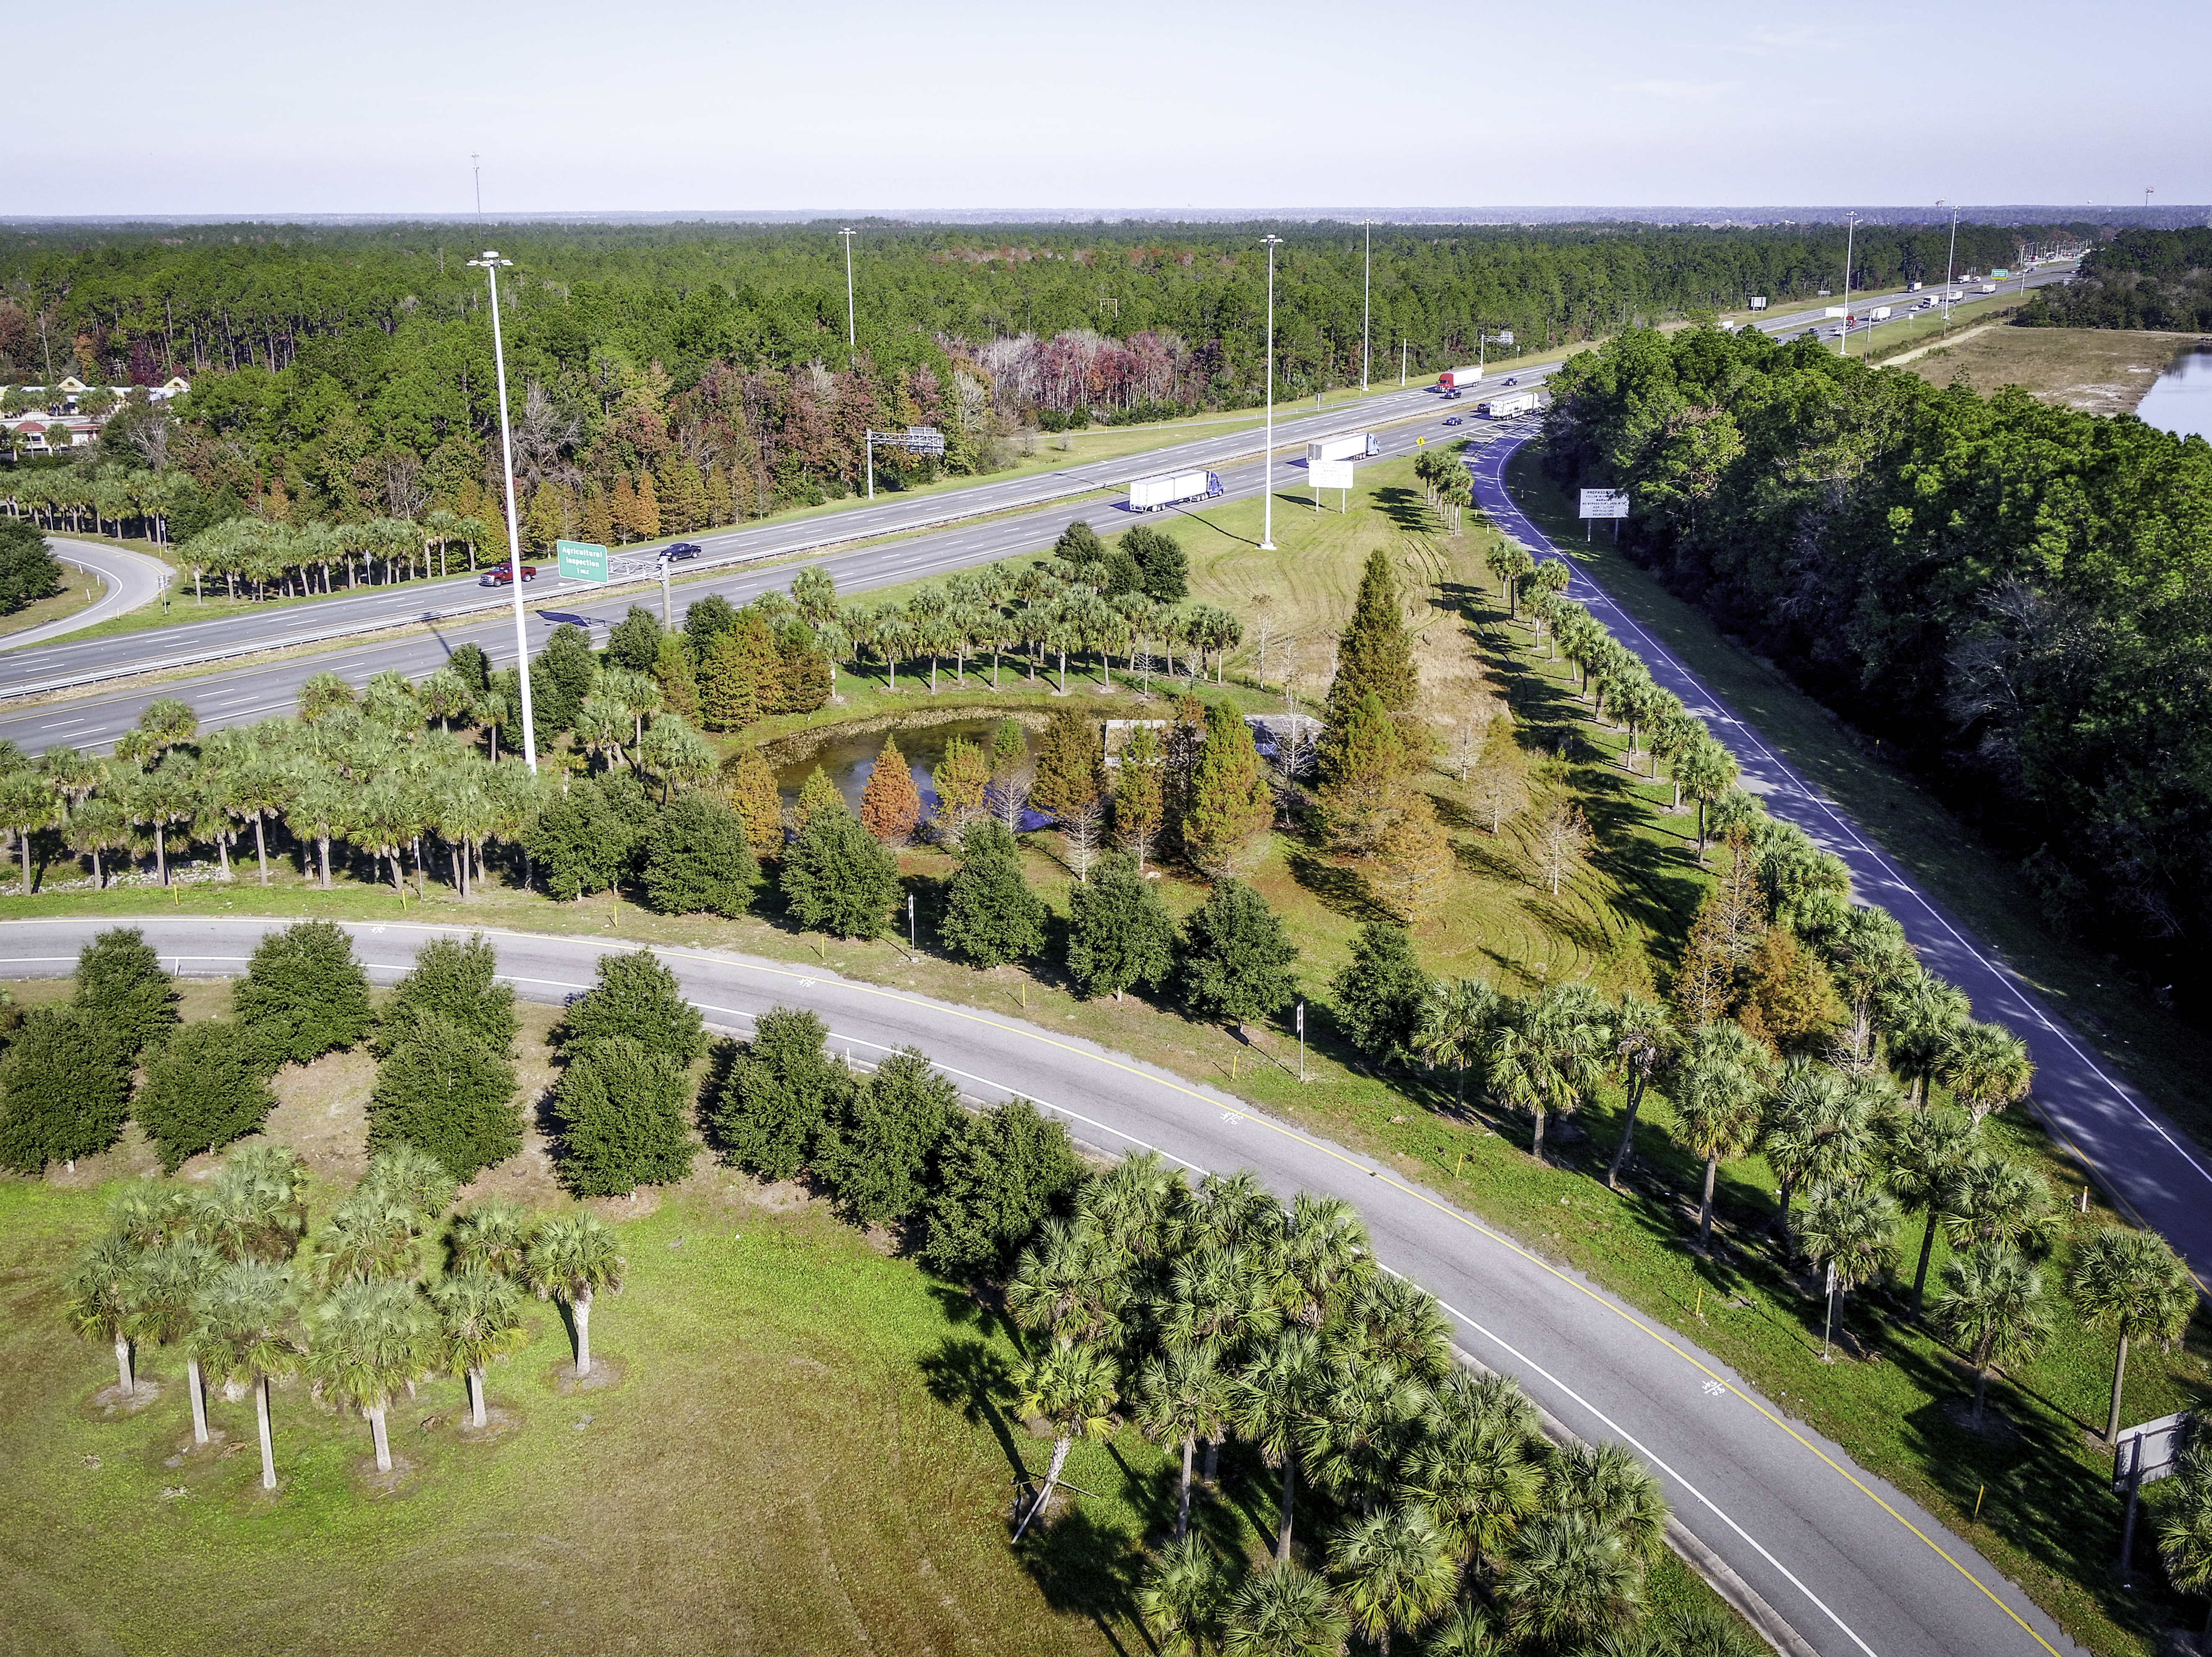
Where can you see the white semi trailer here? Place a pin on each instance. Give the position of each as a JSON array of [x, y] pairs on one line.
[[1354, 446], [1506, 404], [1165, 490]]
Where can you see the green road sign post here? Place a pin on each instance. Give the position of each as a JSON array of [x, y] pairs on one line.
[[581, 561]]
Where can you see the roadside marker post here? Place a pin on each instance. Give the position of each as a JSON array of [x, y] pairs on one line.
[[1302, 1040]]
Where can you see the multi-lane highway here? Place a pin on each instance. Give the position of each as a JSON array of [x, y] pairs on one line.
[[2146, 1165], [1855, 1568]]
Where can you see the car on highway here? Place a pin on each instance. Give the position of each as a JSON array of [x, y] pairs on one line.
[[685, 550], [503, 575], [1512, 380], [1452, 420]]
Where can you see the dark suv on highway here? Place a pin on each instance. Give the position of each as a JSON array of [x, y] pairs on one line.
[[685, 550]]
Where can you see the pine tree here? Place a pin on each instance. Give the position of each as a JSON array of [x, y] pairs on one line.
[[1231, 803], [595, 519], [1362, 759], [837, 878], [679, 681], [816, 794], [991, 915], [1119, 933], [1237, 959], [726, 684], [1140, 808], [201, 1091], [749, 786], [1070, 770], [446, 1090], [648, 510], [1380, 993], [1163, 572], [625, 1120], [890, 806], [1376, 654]]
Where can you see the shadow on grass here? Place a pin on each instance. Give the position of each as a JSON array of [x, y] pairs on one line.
[[1332, 886]]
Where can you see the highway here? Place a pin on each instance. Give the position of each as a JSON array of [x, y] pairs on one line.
[[1854, 1567], [131, 578], [2145, 1165]]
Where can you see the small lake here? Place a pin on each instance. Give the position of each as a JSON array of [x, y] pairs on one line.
[[851, 760], [2181, 400]]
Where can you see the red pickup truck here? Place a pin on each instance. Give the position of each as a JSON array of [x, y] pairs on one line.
[[503, 575]]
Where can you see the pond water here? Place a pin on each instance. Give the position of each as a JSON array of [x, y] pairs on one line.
[[2181, 400], [851, 760]]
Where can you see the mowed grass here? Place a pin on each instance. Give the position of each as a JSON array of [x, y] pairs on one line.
[[78, 592]]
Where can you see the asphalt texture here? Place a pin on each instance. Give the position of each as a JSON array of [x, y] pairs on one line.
[[2144, 1164], [131, 579], [1855, 1568]]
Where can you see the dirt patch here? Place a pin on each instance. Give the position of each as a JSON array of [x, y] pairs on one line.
[[188, 1453], [109, 1404], [606, 1373], [499, 1424], [392, 1481]]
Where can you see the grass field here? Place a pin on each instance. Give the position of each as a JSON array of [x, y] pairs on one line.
[[2099, 370], [76, 595]]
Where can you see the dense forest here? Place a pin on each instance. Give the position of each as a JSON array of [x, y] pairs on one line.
[[2154, 279], [2013, 594], [341, 375]]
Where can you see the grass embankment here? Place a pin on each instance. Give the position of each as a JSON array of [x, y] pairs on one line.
[[1892, 1400], [79, 592], [2102, 371]]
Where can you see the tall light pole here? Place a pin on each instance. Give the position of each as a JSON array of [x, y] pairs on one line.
[[1950, 263], [852, 331], [1366, 285], [1267, 468], [1851, 228], [490, 264]]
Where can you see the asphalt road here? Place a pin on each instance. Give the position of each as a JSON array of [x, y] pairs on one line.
[[1854, 1567], [2144, 1164], [131, 579]]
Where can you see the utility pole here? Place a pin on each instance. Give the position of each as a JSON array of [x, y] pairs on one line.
[[491, 264], [1950, 263], [1404, 346], [852, 329], [1366, 286], [1851, 228], [476, 166], [1267, 469]]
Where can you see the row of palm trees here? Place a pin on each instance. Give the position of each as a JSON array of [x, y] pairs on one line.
[[114, 494], [279, 559], [1215, 1313], [388, 1291]]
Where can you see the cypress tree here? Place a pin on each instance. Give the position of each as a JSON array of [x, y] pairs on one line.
[[991, 915], [749, 786], [816, 794], [727, 701], [1119, 933], [1231, 803], [1070, 770], [1375, 654], [890, 806]]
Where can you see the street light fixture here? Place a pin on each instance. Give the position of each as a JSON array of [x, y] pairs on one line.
[[490, 265], [1366, 286], [852, 331], [1267, 468], [1950, 264], [1851, 228]]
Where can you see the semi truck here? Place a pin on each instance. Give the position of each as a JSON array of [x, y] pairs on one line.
[[1166, 489], [1457, 380], [1353, 446], [1507, 404]]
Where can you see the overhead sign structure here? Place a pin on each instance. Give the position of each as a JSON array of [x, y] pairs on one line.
[[582, 560], [914, 439], [1605, 503]]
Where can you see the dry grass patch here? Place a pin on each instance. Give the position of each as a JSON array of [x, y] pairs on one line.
[[2099, 370]]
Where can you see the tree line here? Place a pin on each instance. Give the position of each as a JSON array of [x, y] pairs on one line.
[[2155, 279], [2000, 589]]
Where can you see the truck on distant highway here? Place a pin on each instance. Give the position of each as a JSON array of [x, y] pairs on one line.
[[503, 575], [1353, 446], [1457, 380], [1986, 288], [1880, 314], [1507, 404], [1166, 489]]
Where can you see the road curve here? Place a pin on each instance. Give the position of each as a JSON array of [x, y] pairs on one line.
[[1858, 1569], [131, 579], [2145, 1164]]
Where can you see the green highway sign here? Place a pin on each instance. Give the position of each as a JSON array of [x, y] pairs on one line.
[[581, 561]]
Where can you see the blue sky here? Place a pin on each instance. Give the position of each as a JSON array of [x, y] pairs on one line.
[[247, 107]]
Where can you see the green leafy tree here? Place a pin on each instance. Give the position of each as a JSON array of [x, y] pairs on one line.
[[769, 1106], [634, 642], [456, 979], [1120, 935], [700, 860], [303, 995], [1181, 1398], [443, 1089], [634, 998], [991, 915], [961, 779], [998, 1174], [1994, 1307], [203, 1089], [2184, 1535], [479, 1323], [573, 1257], [582, 843], [1236, 960], [2130, 1283], [1853, 1228], [64, 1090], [837, 878], [625, 1112], [880, 1160], [120, 983], [365, 1342], [1380, 993]]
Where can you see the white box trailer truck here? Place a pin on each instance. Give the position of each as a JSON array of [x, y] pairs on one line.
[[1167, 489], [1457, 380], [1507, 404], [1353, 446]]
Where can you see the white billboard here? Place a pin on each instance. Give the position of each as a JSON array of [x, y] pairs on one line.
[[1329, 474], [1605, 503]]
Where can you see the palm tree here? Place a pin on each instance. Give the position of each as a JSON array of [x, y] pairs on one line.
[[1068, 1284], [1269, 1402], [492, 1236], [102, 1301], [1926, 1151], [369, 1239], [1817, 1129], [1986, 1067], [1705, 770], [1606, 1484], [1852, 1228], [29, 803], [257, 1204], [1993, 1305], [673, 752], [100, 824], [1473, 1468], [172, 1277], [1993, 1199], [572, 1257], [1643, 1035], [1547, 1057], [1284, 1610], [1365, 1419], [2130, 1282], [1394, 1320], [479, 1319], [2185, 1538], [1071, 1388], [1456, 1014], [1869, 959], [1181, 1398], [1394, 1573], [366, 1341], [1715, 1089], [1920, 1016], [1320, 1257], [242, 1332], [1179, 1598], [1570, 1580], [1464, 1632]]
